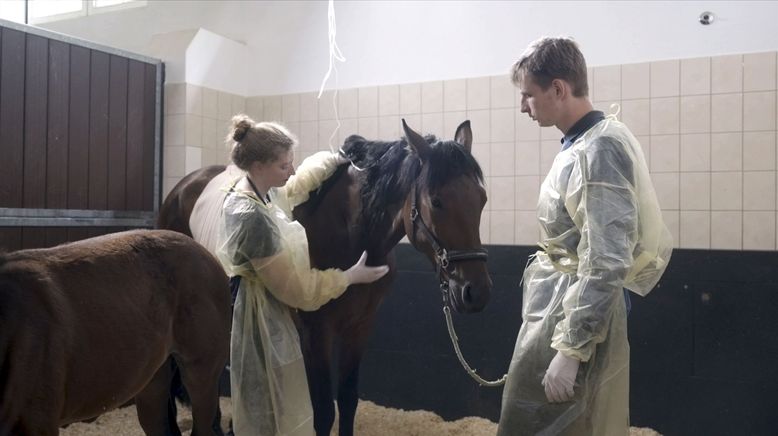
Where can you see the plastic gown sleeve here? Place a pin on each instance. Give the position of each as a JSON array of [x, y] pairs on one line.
[[311, 173], [602, 201]]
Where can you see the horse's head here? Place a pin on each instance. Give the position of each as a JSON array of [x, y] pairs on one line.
[[442, 215]]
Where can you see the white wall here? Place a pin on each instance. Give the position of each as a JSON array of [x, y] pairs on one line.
[[215, 62], [390, 42]]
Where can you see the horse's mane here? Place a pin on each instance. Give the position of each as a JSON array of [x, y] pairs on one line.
[[391, 168]]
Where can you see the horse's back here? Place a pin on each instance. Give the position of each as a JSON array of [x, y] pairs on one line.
[[178, 205], [86, 325]]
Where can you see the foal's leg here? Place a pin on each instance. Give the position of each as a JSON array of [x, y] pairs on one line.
[[351, 350], [201, 378], [316, 342], [153, 404]]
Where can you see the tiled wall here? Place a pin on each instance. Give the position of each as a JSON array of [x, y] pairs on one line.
[[707, 126]]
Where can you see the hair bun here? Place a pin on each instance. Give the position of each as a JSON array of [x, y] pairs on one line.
[[240, 126]]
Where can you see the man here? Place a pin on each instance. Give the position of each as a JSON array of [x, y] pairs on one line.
[[603, 233]]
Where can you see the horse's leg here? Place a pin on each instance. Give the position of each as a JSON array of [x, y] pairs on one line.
[[201, 379], [153, 404], [317, 351], [351, 349]]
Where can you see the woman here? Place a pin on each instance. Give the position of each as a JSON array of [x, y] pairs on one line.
[[263, 246]]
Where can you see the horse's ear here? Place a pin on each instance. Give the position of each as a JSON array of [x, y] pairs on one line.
[[464, 135], [417, 142]]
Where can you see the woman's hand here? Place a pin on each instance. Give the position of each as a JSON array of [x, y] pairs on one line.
[[359, 273]]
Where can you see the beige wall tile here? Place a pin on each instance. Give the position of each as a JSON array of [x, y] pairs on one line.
[[209, 157], [194, 159], [548, 151], [175, 131], [695, 229], [368, 102], [480, 124], [665, 78], [455, 95], [759, 111], [483, 229], [636, 114], [726, 190], [635, 81], [589, 81], [672, 221], [238, 104], [478, 93], [452, 120], [174, 161], [482, 152], [309, 135], [726, 112], [695, 114], [210, 139], [175, 98], [527, 191], [348, 127], [388, 100], [726, 230], [254, 108], [695, 76], [502, 191], [410, 99], [389, 127], [527, 158], [550, 133], [413, 121], [759, 71], [432, 123], [695, 191], [526, 129], [695, 152], [502, 128], [665, 116], [503, 159], [527, 228], [168, 183], [194, 99], [502, 227], [348, 103], [309, 106], [665, 153], [368, 127], [726, 151], [607, 83], [432, 97], [759, 190], [328, 135], [726, 74], [759, 151], [290, 108], [211, 103], [224, 105], [759, 230], [273, 107], [667, 190], [503, 92], [645, 145], [327, 104]]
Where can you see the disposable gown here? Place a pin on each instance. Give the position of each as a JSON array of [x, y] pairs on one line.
[[269, 251], [603, 232]]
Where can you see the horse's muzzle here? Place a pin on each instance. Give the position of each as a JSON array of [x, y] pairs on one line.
[[469, 297]]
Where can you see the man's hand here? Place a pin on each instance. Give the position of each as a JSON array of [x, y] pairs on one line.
[[560, 378]]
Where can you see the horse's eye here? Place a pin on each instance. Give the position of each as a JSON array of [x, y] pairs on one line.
[[436, 203]]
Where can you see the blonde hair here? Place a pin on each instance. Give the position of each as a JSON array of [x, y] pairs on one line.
[[263, 142], [550, 58]]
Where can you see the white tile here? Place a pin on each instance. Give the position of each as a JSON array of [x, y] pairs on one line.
[[635, 81], [503, 159], [273, 107], [695, 76], [224, 105], [726, 112], [727, 74], [759, 230], [502, 227], [327, 134], [672, 221], [290, 108], [695, 152], [502, 128], [347, 128], [431, 124], [607, 83], [368, 102], [482, 152], [526, 129], [480, 124], [309, 106], [327, 105], [309, 135], [548, 151], [194, 159], [210, 139], [759, 111], [410, 99], [210, 103], [726, 151], [726, 230], [168, 183], [695, 229], [665, 153], [175, 98], [645, 145], [479, 93], [695, 191], [254, 108], [665, 78], [348, 103], [174, 161], [413, 121], [503, 93], [452, 120], [759, 151], [727, 190], [388, 100], [759, 71], [527, 228], [175, 130], [455, 95], [483, 229], [636, 114], [759, 190], [667, 189], [431, 97], [695, 114], [502, 191], [550, 133], [527, 192], [389, 127], [368, 127], [527, 158], [238, 104], [665, 115]]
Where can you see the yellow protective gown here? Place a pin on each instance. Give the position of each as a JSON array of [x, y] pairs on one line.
[[269, 251], [604, 232]]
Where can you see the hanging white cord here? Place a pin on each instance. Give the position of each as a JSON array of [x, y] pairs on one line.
[[334, 55]]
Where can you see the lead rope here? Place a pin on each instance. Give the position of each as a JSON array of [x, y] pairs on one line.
[[468, 369]]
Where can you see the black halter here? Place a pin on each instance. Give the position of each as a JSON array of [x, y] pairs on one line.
[[443, 258]]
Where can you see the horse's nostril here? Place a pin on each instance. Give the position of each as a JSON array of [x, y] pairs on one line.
[[466, 293]]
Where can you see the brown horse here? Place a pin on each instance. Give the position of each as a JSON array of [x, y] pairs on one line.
[[430, 190], [87, 326]]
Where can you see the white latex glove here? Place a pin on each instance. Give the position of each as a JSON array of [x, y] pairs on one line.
[[341, 158], [560, 378], [359, 273]]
